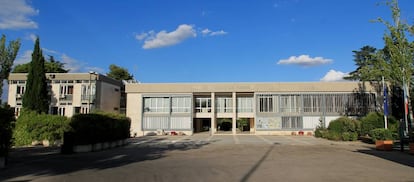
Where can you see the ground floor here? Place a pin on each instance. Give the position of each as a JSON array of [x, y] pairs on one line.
[[215, 158]]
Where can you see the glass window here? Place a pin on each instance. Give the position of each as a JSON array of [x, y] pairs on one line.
[[224, 104], [244, 104], [203, 104], [181, 104], [156, 104]]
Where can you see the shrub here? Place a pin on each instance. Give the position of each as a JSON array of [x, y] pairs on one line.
[[343, 128], [371, 121], [99, 127], [6, 128], [31, 126], [381, 134], [226, 126]]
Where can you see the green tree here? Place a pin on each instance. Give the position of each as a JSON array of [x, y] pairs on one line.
[[36, 97], [7, 56], [119, 73], [51, 66], [364, 59], [395, 60]]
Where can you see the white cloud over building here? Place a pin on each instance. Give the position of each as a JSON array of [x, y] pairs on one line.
[[305, 60], [333, 76]]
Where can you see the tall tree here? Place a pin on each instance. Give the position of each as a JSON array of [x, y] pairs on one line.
[[364, 60], [36, 97], [7, 56], [51, 66], [119, 73]]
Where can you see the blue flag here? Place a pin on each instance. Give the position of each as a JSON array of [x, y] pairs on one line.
[[385, 102]]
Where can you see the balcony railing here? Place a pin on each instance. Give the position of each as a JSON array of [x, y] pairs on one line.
[[88, 97], [66, 97]]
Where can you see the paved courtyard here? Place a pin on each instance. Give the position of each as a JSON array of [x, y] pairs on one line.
[[215, 158]]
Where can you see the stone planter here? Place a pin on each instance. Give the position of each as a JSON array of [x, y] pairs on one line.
[[97, 147], [385, 145], [82, 148], [411, 148], [105, 145], [2, 162]]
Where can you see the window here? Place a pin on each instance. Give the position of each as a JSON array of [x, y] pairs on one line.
[[244, 104], [20, 91], [203, 104], [181, 104], [156, 104], [85, 91], [290, 103], [294, 122], [224, 104], [66, 89], [312, 103], [267, 103]]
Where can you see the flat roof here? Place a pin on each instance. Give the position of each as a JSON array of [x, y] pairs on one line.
[[68, 76], [247, 87]]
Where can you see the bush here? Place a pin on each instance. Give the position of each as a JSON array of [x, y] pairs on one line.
[[371, 121], [6, 129], [381, 134], [226, 126], [99, 127], [31, 126], [343, 128]]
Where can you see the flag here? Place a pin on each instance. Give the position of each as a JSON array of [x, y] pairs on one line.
[[385, 102], [405, 89]]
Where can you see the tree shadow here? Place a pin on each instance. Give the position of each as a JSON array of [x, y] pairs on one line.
[[257, 165], [30, 163], [402, 158]]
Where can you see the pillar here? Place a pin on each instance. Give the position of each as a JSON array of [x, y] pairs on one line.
[[213, 128], [234, 118]]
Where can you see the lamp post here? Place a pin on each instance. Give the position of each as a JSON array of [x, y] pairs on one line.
[[90, 90]]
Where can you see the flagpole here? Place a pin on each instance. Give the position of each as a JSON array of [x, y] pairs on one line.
[[385, 105], [405, 102]]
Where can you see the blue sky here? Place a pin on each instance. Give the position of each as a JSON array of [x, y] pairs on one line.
[[201, 40]]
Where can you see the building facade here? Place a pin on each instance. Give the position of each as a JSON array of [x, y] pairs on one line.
[[248, 108], [71, 93]]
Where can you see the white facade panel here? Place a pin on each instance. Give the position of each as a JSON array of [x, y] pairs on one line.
[[155, 122], [181, 122], [311, 122]]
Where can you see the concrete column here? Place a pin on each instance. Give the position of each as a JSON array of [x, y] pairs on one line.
[[213, 113], [234, 118]]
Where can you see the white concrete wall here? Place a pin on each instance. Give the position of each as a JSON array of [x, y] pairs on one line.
[[109, 98], [134, 112]]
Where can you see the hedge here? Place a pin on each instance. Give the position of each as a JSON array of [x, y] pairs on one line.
[[6, 128], [31, 126], [98, 127]]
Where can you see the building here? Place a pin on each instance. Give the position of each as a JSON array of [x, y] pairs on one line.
[[264, 108], [71, 93]]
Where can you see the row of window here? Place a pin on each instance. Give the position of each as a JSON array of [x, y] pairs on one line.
[[65, 91], [350, 103], [346, 103], [201, 104]]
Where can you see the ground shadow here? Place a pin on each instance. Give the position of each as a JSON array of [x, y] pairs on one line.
[[38, 161], [396, 156], [257, 165]]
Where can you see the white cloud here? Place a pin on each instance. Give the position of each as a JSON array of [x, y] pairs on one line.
[[333, 76], [207, 32], [72, 64], [95, 69], [31, 37], [305, 60], [15, 14], [141, 36], [24, 58], [164, 38]]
